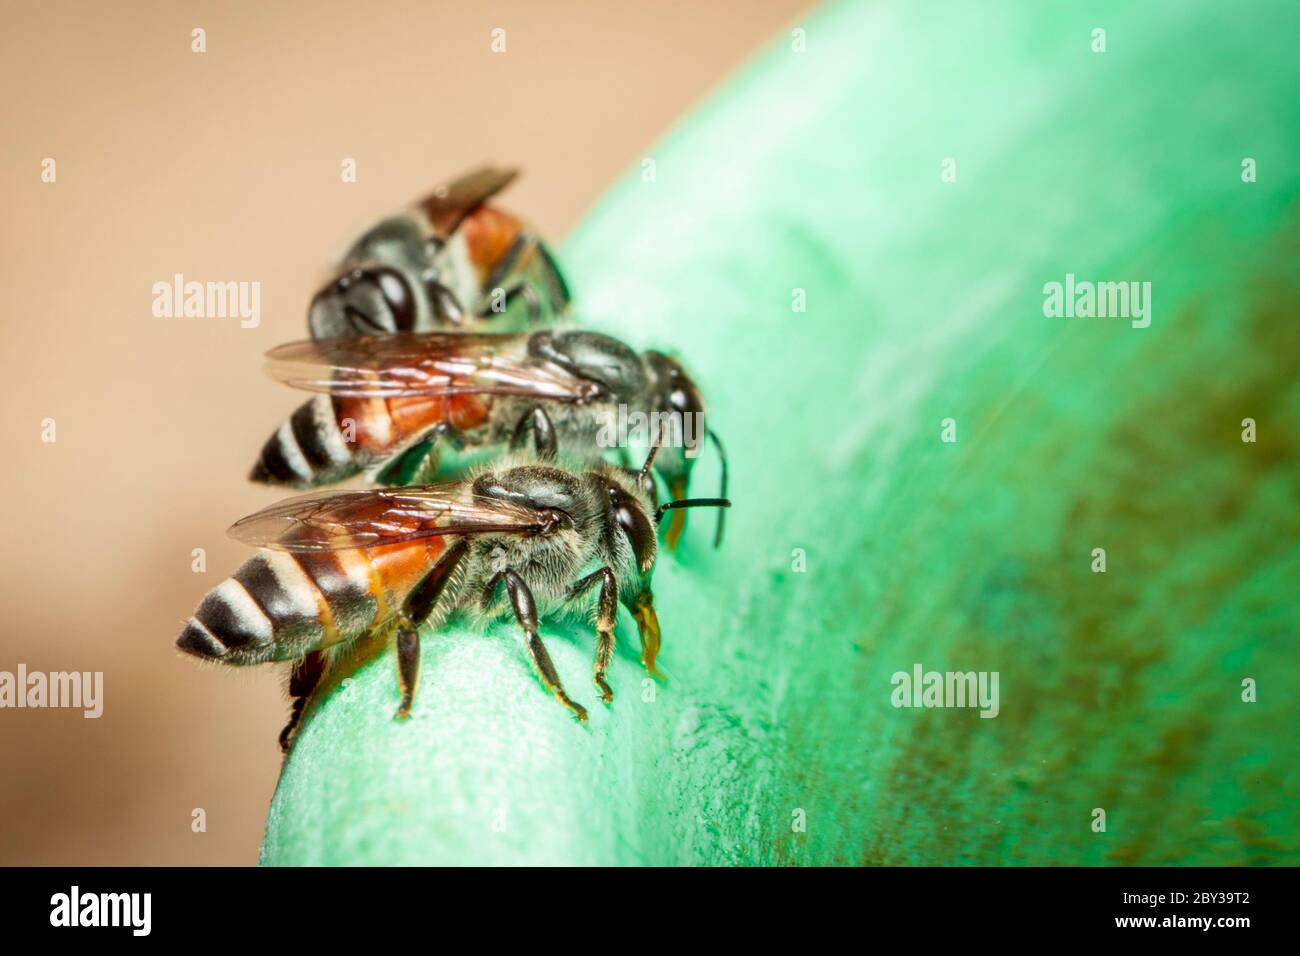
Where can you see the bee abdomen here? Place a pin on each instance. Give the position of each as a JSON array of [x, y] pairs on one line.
[[280, 606], [343, 584], [309, 449], [229, 625]]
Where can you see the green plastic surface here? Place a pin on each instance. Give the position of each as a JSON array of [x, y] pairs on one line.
[[821, 171]]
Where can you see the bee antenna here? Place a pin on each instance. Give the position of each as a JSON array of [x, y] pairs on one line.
[[690, 503], [722, 490]]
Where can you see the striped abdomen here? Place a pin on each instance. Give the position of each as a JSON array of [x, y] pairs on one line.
[[330, 438], [282, 605]]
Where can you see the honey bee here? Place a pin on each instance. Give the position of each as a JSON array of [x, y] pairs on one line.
[[450, 262], [387, 404], [527, 539]]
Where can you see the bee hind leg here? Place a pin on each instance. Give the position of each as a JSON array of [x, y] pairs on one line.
[[413, 464], [527, 271], [303, 679], [418, 606], [526, 614], [408, 668], [606, 611]]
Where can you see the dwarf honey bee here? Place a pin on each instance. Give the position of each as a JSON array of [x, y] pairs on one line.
[[387, 402], [451, 262], [525, 538]]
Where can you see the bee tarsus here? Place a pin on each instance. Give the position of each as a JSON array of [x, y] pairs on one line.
[[605, 612]]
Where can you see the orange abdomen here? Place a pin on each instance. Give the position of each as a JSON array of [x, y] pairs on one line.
[[382, 424], [397, 568], [489, 233]]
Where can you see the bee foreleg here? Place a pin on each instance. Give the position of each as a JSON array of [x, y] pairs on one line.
[[304, 677], [539, 423], [526, 614], [606, 610], [416, 609]]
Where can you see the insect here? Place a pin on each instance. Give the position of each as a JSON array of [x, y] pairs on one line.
[[525, 539], [387, 404], [450, 262]]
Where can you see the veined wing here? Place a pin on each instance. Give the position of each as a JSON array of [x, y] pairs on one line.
[[409, 364], [449, 204], [342, 520]]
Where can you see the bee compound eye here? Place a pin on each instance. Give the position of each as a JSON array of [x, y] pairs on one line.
[[632, 519]]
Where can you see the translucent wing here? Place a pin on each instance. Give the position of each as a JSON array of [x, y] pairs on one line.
[[410, 364], [341, 520], [449, 204]]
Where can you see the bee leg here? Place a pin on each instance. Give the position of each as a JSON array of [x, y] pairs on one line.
[[532, 268], [526, 615], [418, 458], [304, 677], [408, 668], [502, 270], [551, 275], [418, 606], [532, 304], [647, 622], [606, 611], [427, 469], [539, 423]]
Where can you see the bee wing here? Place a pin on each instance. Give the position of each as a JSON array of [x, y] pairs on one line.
[[424, 364], [338, 521], [449, 204]]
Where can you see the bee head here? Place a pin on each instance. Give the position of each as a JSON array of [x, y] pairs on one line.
[[678, 408], [677, 400], [633, 516], [630, 503], [376, 300], [629, 500]]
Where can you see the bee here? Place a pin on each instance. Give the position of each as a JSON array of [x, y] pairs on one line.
[[387, 404], [450, 262], [524, 539]]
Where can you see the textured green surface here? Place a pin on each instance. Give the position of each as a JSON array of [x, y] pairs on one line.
[[821, 171]]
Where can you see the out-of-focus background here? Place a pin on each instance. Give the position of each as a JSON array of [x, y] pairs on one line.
[[225, 166]]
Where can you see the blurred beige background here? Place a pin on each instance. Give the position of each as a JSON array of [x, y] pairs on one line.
[[225, 166]]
